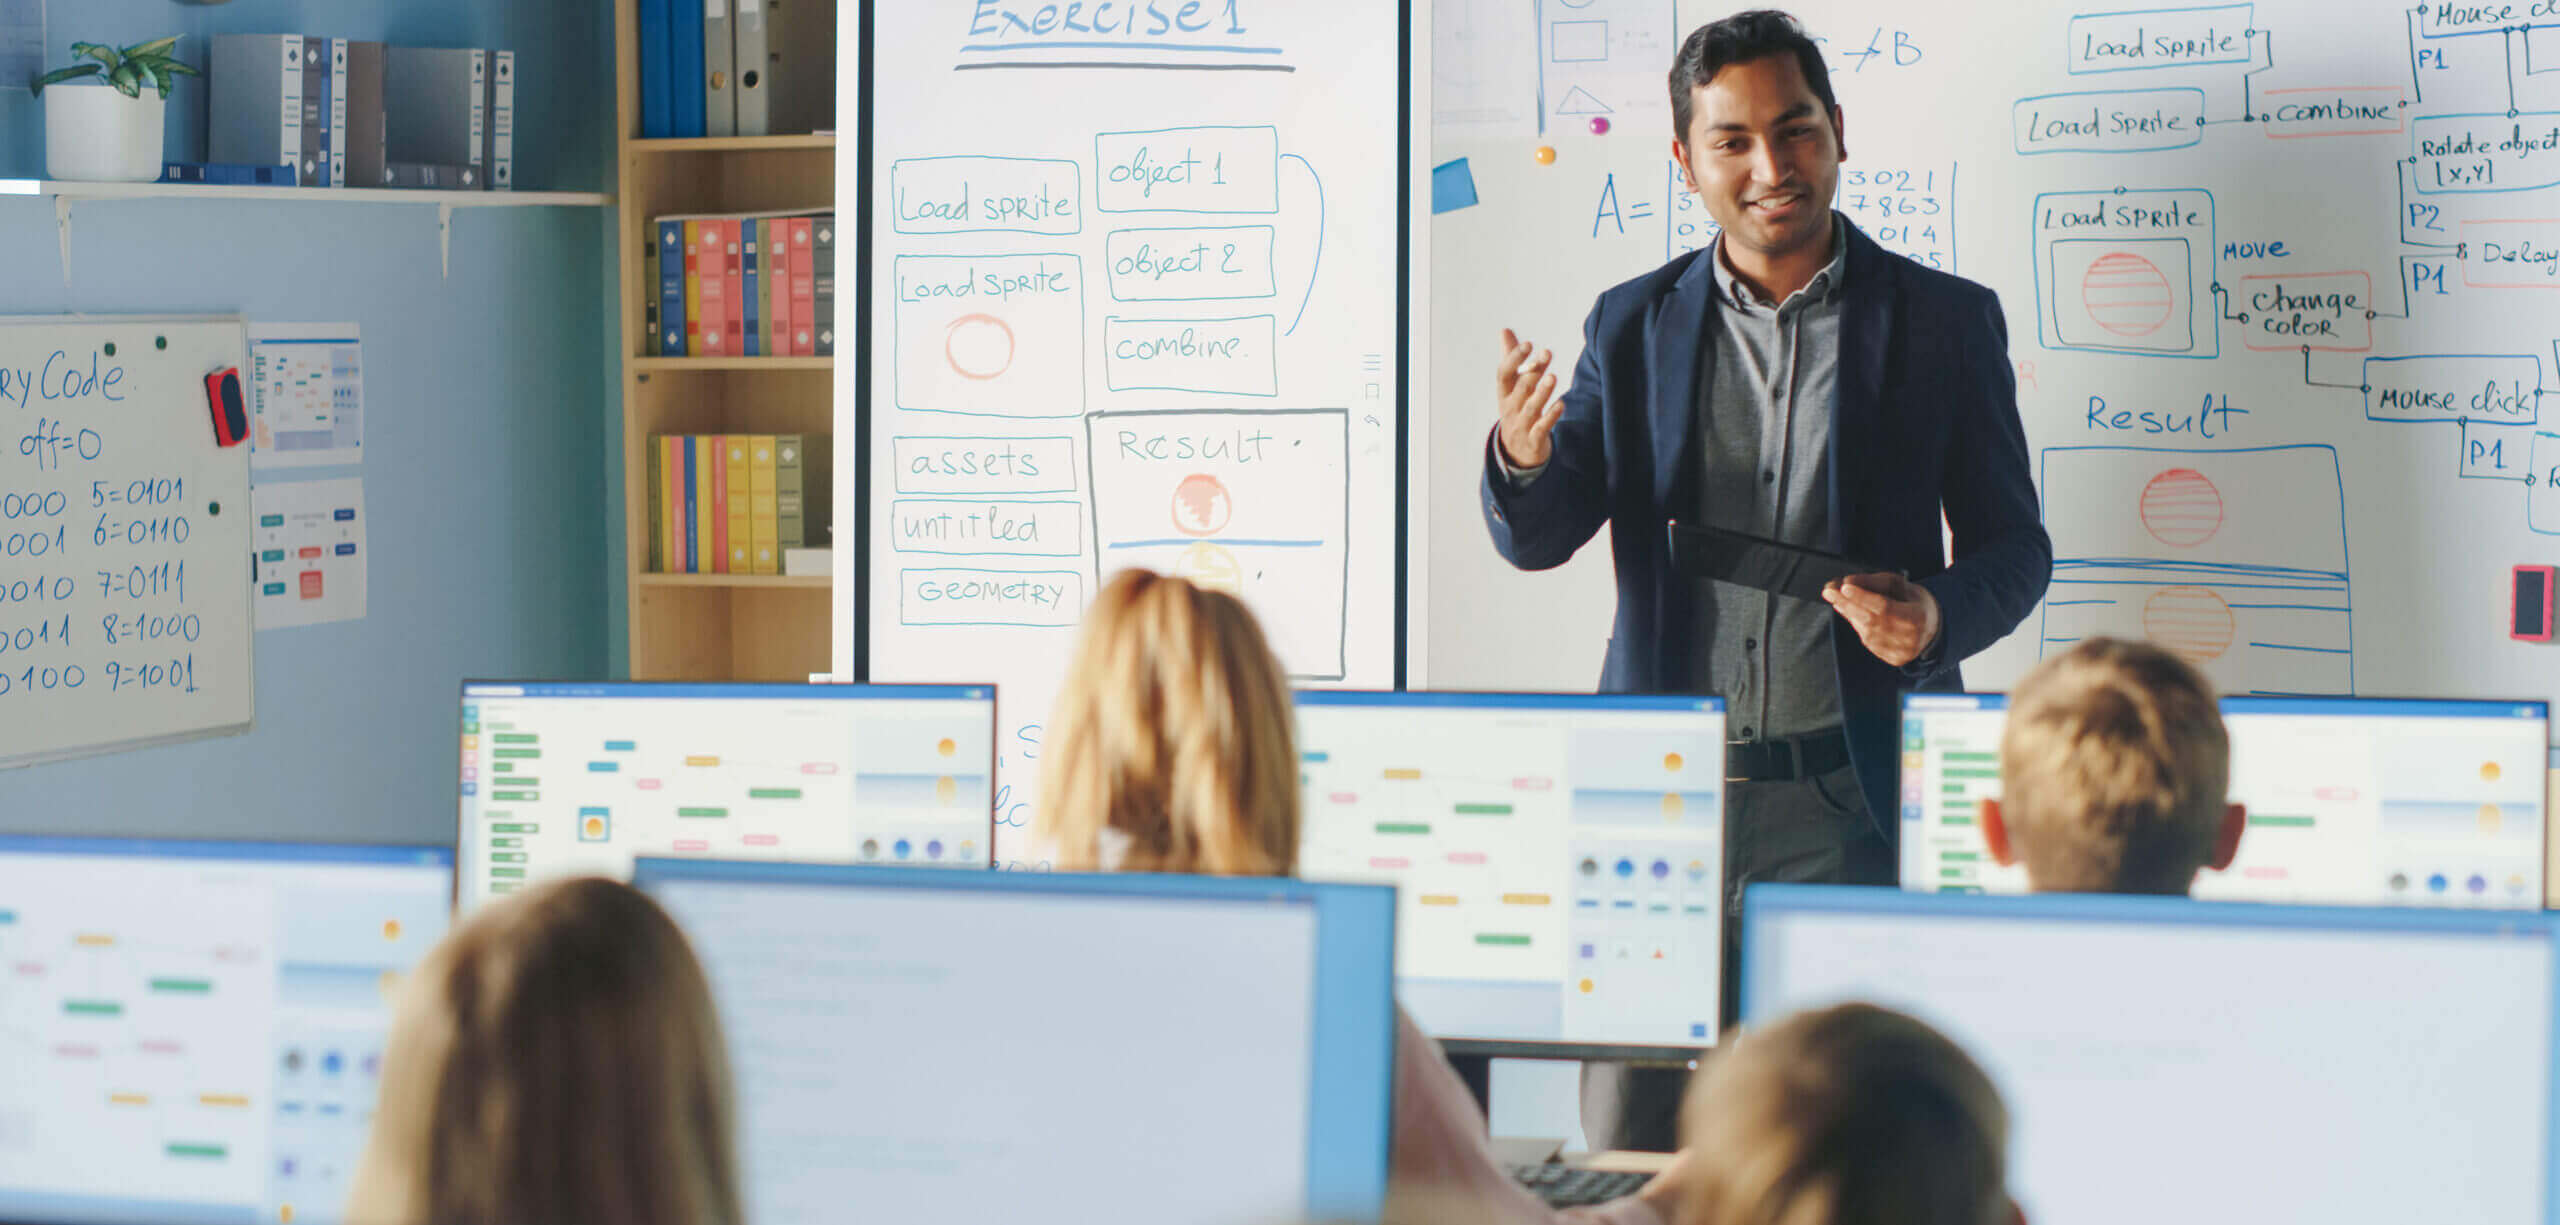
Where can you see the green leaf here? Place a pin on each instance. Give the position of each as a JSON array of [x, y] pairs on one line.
[[156, 47], [108, 56], [179, 67], [127, 79], [59, 75], [157, 68]]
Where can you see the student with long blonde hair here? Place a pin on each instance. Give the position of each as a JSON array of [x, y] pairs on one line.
[[556, 1060], [1174, 749]]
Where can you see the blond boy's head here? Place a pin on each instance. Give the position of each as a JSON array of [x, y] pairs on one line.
[[2113, 774]]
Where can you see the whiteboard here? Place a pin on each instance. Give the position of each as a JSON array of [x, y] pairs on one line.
[[124, 538], [1132, 304], [2278, 279]]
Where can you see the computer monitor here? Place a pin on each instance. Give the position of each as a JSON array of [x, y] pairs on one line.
[[569, 779], [992, 1046], [2217, 1063], [2352, 801], [1558, 860], [193, 1031]]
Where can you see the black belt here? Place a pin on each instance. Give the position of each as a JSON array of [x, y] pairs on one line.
[[1778, 761]]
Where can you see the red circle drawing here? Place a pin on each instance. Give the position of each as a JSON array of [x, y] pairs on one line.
[[1201, 505], [2195, 624], [978, 347], [2126, 294], [2181, 508]]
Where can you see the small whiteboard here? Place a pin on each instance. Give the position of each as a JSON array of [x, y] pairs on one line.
[[1153, 321], [124, 538]]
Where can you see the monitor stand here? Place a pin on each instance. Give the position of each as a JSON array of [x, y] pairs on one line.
[[1476, 1072]]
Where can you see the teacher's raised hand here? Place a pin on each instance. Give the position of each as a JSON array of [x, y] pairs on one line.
[[1526, 386]]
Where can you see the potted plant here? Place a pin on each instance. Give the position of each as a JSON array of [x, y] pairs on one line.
[[106, 128]]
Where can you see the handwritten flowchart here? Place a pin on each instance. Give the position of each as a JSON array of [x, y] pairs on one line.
[[1139, 329], [2284, 261]]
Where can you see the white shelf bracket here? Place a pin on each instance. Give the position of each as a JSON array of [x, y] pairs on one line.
[[444, 238], [62, 230]]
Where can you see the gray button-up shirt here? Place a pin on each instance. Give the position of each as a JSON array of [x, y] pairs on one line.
[[1765, 429], [1765, 426]]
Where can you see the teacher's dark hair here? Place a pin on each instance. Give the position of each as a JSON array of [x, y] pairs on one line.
[[1737, 39]]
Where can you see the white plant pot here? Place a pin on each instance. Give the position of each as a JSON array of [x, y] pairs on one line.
[[93, 133]]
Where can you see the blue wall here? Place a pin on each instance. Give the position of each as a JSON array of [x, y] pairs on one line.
[[492, 404]]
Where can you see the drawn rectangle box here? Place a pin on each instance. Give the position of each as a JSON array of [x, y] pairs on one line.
[[2541, 47], [2136, 295], [2542, 493], [2145, 248], [1201, 264], [1577, 42], [1023, 599], [1188, 170], [2148, 39], [2484, 154], [970, 194], [2108, 121], [989, 528], [989, 335], [929, 463], [2517, 253], [2471, 18], [1254, 501], [2236, 559], [2495, 452], [2314, 111], [1234, 357], [2499, 388], [2336, 320]]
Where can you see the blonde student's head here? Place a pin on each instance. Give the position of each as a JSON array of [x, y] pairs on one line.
[[556, 1059], [1852, 1115], [2113, 773], [1172, 747]]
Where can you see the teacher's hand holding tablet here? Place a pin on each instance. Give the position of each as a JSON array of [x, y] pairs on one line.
[[1530, 406]]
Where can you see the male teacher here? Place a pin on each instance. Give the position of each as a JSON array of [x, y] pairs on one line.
[[1792, 380]]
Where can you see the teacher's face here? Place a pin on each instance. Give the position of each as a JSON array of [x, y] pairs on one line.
[[1764, 155]]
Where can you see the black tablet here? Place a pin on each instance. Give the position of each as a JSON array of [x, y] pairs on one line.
[[1759, 562]]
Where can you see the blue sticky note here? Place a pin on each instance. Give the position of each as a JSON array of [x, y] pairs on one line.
[[1453, 187]]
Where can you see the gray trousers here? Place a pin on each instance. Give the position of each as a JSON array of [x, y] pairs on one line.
[[1805, 830]]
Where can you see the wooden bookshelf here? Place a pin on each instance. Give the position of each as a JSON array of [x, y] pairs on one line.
[[715, 626], [733, 144]]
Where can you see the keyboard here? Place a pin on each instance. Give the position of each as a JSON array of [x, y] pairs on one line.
[[1568, 1186]]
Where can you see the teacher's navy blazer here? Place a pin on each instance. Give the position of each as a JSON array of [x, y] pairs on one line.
[[1926, 421]]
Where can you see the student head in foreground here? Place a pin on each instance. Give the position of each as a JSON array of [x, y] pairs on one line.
[[2113, 774], [556, 1059], [1173, 748], [1852, 1115], [1173, 745]]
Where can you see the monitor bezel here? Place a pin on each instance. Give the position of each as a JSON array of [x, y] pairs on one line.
[[1336, 906], [1684, 1055], [294, 853], [1760, 902], [840, 691], [2247, 703]]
